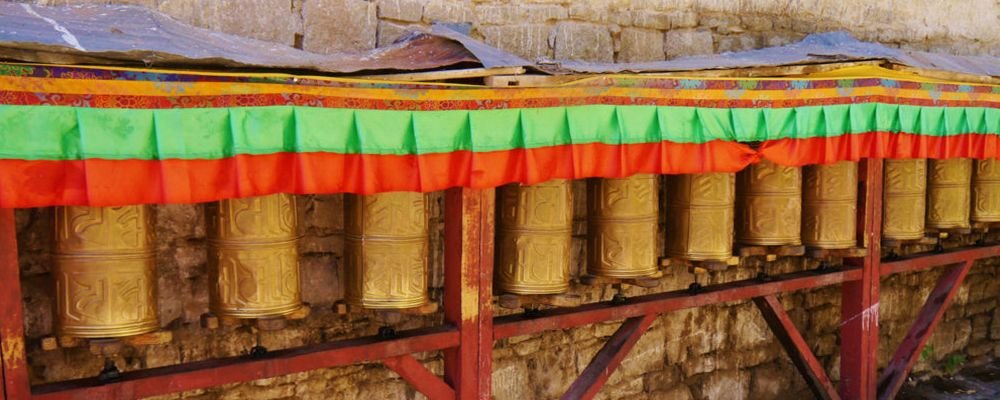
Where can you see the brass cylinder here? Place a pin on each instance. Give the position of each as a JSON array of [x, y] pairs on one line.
[[253, 257], [105, 271], [534, 237], [830, 203], [387, 250], [622, 230], [700, 210], [948, 192], [986, 191], [904, 199], [769, 205]]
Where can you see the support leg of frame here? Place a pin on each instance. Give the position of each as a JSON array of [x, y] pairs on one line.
[[796, 347], [420, 378], [12, 351], [930, 315], [860, 298], [468, 292], [609, 358]]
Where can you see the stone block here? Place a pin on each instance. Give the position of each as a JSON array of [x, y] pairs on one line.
[[530, 41], [510, 379], [739, 42], [389, 32], [663, 380], [621, 390], [748, 327], [401, 10], [678, 392], [449, 11], [583, 41], [726, 384], [687, 42], [513, 14], [323, 213], [332, 26], [268, 20], [640, 45], [320, 280]]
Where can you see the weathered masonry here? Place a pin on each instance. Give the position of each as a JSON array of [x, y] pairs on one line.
[[440, 218]]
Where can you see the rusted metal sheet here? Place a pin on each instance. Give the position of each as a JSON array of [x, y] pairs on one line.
[[131, 35]]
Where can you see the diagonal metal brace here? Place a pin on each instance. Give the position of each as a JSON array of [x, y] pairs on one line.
[[796, 347], [420, 377], [609, 358]]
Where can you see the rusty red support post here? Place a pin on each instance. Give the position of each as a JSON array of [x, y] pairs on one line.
[[796, 347], [420, 378], [12, 351], [860, 299], [468, 291], [607, 360], [930, 315]]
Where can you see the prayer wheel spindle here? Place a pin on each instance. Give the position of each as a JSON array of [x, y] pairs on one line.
[[829, 209], [769, 205], [948, 193], [904, 199], [534, 237], [622, 230], [700, 210], [986, 191], [387, 250], [253, 257], [105, 271]]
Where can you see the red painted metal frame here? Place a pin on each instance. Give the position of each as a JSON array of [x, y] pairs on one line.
[[860, 298], [607, 360], [470, 330], [930, 315], [796, 347]]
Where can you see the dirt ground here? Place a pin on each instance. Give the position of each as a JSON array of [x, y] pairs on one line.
[[974, 383]]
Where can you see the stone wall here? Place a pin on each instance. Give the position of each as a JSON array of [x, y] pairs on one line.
[[723, 351]]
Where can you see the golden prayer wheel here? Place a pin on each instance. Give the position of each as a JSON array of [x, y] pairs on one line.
[[769, 208], [700, 212], [253, 256], [904, 200], [387, 250], [986, 191], [623, 226], [829, 205], [948, 192], [105, 271], [534, 237]]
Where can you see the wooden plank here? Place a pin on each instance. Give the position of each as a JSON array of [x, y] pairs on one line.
[[468, 291], [446, 74], [860, 298], [607, 360], [796, 347], [12, 351], [209, 373], [659, 303], [420, 378], [930, 315]]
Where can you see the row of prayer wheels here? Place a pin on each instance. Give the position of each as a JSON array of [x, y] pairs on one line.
[[105, 256], [105, 270]]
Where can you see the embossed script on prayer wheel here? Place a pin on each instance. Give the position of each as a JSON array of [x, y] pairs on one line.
[[986, 191], [534, 235], [623, 226], [830, 202], [904, 199], [769, 205], [105, 271], [253, 256], [700, 212], [387, 250], [948, 191]]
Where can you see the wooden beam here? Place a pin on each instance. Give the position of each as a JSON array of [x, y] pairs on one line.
[[446, 74], [860, 298], [420, 378], [468, 290], [607, 360], [796, 347], [930, 315], [209, 373], [12, 351], [659, 303]]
